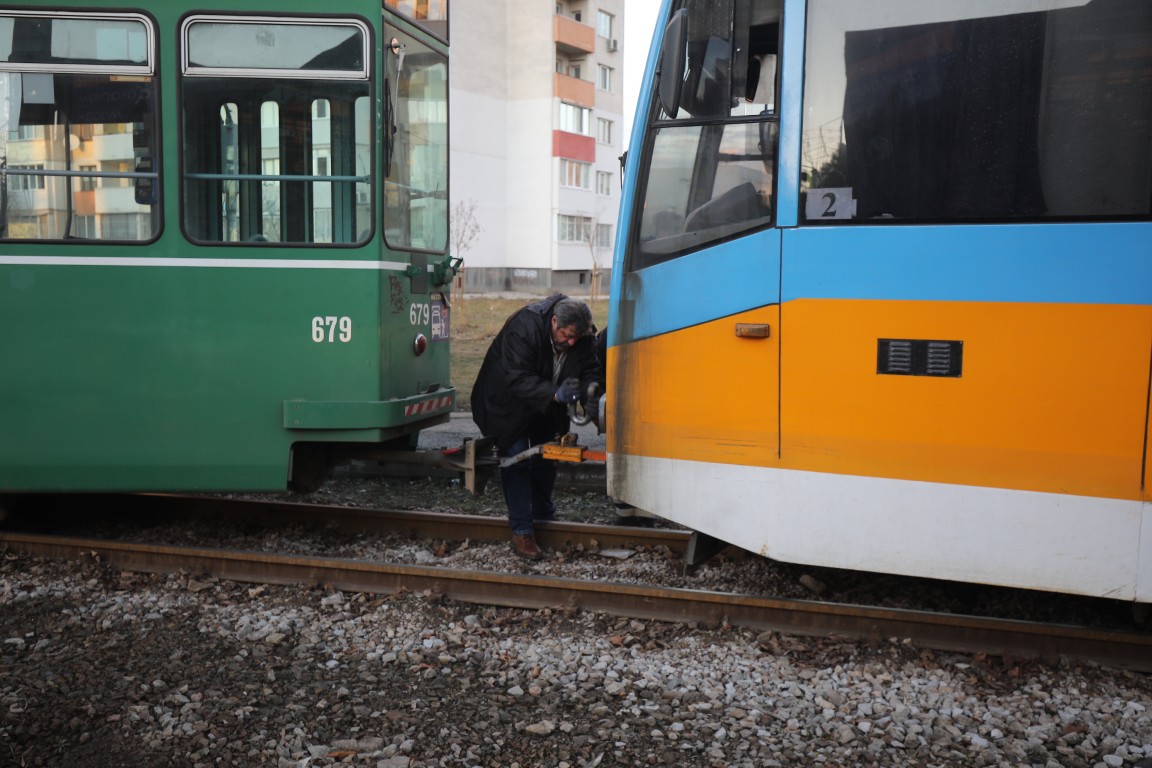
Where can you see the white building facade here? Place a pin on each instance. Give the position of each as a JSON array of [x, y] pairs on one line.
[[536, 102]]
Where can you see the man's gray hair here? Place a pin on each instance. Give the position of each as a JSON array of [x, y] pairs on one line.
[[570, 312]]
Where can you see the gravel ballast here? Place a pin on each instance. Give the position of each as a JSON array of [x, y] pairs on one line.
[[103, 668]]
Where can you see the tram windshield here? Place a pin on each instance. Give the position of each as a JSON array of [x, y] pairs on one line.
[[712, 162]]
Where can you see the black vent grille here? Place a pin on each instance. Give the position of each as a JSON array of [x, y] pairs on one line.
[[919, 357]]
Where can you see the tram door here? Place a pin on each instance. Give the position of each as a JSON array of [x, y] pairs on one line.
[[696, 347]]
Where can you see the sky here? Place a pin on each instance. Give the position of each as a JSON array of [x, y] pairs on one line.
[[639, 20]]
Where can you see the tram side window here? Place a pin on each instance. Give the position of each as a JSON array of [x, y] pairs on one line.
[[278, 132], [938, 112], [709, 159], [416, 135], [77, 138]]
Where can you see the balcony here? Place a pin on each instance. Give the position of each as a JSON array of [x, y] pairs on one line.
[[572, 37], [574, 90]]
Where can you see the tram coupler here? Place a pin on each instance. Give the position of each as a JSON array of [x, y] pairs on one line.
[[476, 460], [563, 449]]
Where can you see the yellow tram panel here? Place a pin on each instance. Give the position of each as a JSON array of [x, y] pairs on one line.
[[1063, 413], [708, 392], [1051, 397]]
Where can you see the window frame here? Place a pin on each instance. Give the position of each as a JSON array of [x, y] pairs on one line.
[[188, 69], [34, 177], [605, 76], [604, 130], [571, 223], [857, 174], [604, 183], [582, 115], [363, 75], [605, 19], [148, 68], [582, 170]]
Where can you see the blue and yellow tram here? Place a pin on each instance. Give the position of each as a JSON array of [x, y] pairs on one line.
[[882, 296], [223, 240]]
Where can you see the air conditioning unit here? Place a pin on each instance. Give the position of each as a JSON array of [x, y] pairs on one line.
[[613, 45]]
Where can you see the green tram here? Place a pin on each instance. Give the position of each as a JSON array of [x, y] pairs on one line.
[[223, 240]]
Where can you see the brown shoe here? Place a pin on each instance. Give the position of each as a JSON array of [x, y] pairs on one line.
[[526, 547]]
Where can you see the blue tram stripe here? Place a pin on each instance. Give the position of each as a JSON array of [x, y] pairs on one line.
[[1059, 263], [724, 280]]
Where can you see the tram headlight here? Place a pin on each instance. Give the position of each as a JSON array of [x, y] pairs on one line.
[[419, 344]]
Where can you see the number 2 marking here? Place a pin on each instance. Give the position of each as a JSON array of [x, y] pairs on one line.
[[831, 209]]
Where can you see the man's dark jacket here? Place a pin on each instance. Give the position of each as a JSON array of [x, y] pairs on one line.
[[515, 386]]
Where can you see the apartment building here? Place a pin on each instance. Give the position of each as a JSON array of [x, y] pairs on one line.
[[536, 120]]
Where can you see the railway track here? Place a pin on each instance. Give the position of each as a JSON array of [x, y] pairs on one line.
[[1132, 650]]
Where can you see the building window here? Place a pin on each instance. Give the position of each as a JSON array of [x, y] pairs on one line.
[[118, 226], [604, 77], [575, 119], [575, 174], [116, 166], [570, 67], [573, 229], [603, 183], [603, 130], [604, 22], [20, 181], [88, 182], [603, 235]]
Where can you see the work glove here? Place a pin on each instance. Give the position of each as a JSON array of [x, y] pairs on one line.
[[568, 392]]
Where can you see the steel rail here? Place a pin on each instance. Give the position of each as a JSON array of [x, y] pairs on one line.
[[939, 631], [555, 534]]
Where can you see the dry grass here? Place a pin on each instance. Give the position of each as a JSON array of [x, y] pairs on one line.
[[475, 322]]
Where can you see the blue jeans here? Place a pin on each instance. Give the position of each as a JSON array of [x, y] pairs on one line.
[[528, 484]]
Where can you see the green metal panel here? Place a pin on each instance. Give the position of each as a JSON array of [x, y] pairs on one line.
[[166, 367], [171, 366]]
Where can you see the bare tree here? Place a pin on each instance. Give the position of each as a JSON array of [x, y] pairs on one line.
[[463, 230], [595, 249]]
